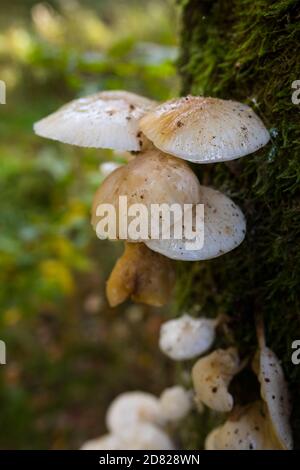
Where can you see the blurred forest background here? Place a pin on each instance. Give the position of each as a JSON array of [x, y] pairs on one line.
[[68, 354]]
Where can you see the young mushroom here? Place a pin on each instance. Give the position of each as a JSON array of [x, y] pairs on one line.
[[274, 390], [211, 377], [141, 274], [175, 403], [152, 178], [186, 337], [131, 408], [109, 119], [205, 130], [245, 429], [224, 230]]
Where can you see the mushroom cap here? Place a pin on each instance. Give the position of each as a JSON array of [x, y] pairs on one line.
[[248, 431], [205, 130], [186, 337], [274, 391], [106, 442], [146, 436], [224, 230], [131, 408], [211, 376], [141, 274], [151, 178], [108, 119], [175, 403]]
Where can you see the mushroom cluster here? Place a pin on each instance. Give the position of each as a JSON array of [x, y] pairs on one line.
[[139, 420], [263, 424], [193, 128], [161, 139]]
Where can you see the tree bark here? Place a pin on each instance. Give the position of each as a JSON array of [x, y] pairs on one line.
[[250, 51]]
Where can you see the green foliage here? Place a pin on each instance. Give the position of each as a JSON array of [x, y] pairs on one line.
[[249, 51], [65, 357]]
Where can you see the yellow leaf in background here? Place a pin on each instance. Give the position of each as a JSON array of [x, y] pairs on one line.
[[11, 316], [57, 273], [76, 210]]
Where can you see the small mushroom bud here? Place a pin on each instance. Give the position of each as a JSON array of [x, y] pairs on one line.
[[204, 130], [212, 375], [108, 119], [131, 408], [224, 230], [175, 403], [186, 337], [152, 178], [141, 274], [274, 391], [247, 429]]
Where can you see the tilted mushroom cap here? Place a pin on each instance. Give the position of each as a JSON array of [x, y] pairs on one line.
[[274, 391], [151, 178], [186, 337], [212, 375], [175, 403], [106, 442], [131, 408], [205, 130], [104, 120], [249, 430], [224, 230], [141, 274]]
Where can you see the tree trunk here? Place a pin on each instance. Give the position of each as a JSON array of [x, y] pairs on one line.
[[250, 51]]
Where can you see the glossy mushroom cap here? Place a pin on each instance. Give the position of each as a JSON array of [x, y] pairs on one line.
[[141, 274], [212, 375], [224, 230], [107, 119], [186, 337], [205, 130]]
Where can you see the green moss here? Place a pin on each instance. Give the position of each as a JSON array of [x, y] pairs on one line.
[[250, 51]]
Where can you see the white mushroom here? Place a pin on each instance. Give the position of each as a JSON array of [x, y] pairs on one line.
[[131, 408], [205, 130], [212, 375], [186, 337], [224, 230], [274, 391], [152, 178], [246, 430], [175, 403], [107, 119]]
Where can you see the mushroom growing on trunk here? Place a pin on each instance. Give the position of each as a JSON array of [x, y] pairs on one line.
[[142, 275], [204, 130]]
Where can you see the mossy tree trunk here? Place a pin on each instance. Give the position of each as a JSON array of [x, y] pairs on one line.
[[250, 51]]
